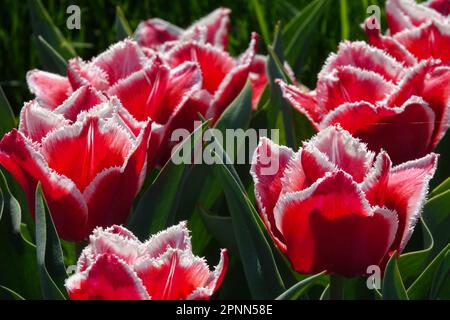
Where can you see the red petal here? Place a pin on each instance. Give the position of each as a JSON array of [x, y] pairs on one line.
[[111, 192], [67, 206], [217, 25], [215, 64], [330, 226], [155, 32], [184, 81], [175, 237], [375, 182], [83, 99], [36, 122], [109, 278], [81, 74], [268, 167], [120, 60], [406, 14], [387, 43], [436, 91], [405, 132], [431, 40], [432, 83], [214, 281], [95, 148], [337, 148], [350, 84], [50, 89], [233, 83], [258, 78], [441, 6], [406, 192], [365, 57], [142, 94], [116, 241], [305, 103], [174, 275]]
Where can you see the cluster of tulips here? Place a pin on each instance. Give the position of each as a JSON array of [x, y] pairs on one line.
[[349, 198]]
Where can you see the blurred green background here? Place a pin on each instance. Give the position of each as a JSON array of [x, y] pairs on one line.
[[18, 52]]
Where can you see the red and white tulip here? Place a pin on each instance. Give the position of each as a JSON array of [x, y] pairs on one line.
[[336, 206], [90, 163], [210, 31], [117, 266], [145, 86], [404, 111]]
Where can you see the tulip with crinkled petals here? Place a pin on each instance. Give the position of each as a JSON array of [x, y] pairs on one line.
[[117, 266], [91, 167], [404, 111], [334, 205]]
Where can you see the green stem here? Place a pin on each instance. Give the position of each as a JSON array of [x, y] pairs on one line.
[[336, 287]]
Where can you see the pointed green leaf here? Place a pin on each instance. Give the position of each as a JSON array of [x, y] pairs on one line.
[[238, 113], [441, 277], [298, 33], [260, 269], [275, 70], [57, 62], [421, 288], [123, 29], [393, 288], [297, 290], [50, 261], [43, 26], [220, 227], [8, 294], [7, 119], [159, 204], [261, 20], [17, 251]]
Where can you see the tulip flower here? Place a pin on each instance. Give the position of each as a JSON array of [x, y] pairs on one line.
[[407, 14], [117, 266], [213, 28], [431, 39], [210, 31], [336, 206], [90, 163], [145, 86], [404, 111], [223, 76]]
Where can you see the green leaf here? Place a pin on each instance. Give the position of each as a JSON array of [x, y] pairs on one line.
[[299, 31], [159, 204], [444, 186], [393, 288], [7, 119], [421, 288], [436, 215], [220, 227], [298, 289], [260, 269], [43, 26], [15, 250], [8, 294], [57, 62], [441, 276], [411, 264], [275, 70], [261, 20], [123, 29], [50, 259], [345, 25], [238, 113], [435, 225]]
